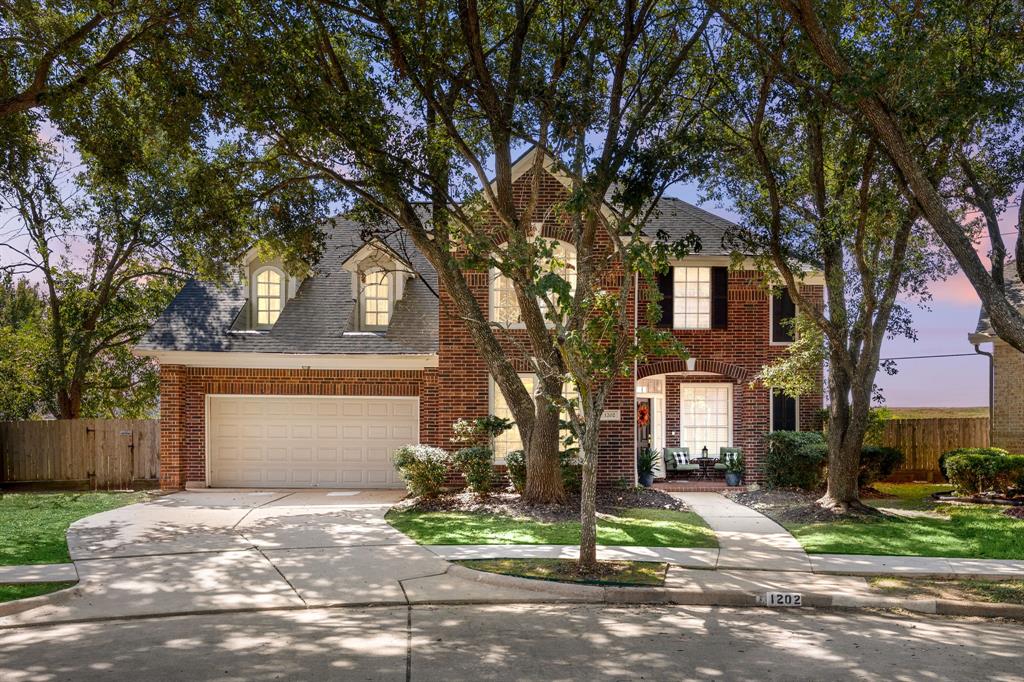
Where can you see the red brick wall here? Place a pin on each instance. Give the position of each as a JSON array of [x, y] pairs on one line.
[[183, 404], [735, 355]]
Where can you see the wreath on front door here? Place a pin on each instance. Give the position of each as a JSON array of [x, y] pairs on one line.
[[643, 414]]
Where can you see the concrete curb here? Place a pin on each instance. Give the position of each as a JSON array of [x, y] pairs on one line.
[[9, 608], [685, 597]]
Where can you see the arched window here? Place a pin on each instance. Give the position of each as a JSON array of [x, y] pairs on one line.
[[376, 299], [505, 307], [269, 296]]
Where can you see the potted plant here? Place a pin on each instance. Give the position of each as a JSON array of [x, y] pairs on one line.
[[646, 461], [734, 469]]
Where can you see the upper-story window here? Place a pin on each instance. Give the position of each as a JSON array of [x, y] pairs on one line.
[[691, 305], [505, 307], [783, 310], [269, 296], [375, 299]]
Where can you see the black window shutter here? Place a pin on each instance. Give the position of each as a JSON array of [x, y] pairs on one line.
[[666, 291], [783, 412], [783, 308], [719, 298]]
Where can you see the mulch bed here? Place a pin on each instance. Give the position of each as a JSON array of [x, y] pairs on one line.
[[511, 504], [1014, 512], [789, 505]]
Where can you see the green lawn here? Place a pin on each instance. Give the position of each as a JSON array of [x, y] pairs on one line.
[[12, 592], [647, 573], [34, 524], [633, 527], [979, 532]]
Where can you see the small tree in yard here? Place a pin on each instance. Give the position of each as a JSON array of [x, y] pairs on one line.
[[817, 191], [393, 106]]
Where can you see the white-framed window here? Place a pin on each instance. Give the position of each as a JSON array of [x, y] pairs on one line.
[[511, 440], [505, 307], [691, 294], [705, 417], [269, 296], [375, 299]]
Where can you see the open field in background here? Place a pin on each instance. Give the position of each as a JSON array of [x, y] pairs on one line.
[[937, 412]]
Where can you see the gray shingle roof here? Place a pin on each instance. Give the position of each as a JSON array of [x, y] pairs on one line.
[[320, 319], [677, 219], [1015, 294]]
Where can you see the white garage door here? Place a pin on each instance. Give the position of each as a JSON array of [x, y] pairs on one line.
[[300, 442]]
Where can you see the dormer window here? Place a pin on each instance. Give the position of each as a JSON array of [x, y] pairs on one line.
[[375, 299], [269, 296]]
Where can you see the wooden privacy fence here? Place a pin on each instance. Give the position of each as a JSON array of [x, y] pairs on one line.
[[923, 440], [100, 454]]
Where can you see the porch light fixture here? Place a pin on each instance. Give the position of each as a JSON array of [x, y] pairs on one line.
[[704, 451], [691, 364]]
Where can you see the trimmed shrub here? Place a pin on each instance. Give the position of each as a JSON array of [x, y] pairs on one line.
[[967, 451], [572, 470], [515, 462], [877, 463], [795, 459], [423, 468], [477, 464], [981, 472]]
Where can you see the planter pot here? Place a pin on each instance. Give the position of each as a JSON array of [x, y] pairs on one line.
[[647, 480], [732, 478]]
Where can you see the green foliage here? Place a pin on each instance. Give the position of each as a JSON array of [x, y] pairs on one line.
[[515, 463], [477, 464], [877, 417], [798, 370], [877, 463], [795, 459], [424, 469], [22, 349], [480, 430], [967, 451], [982, 472], [735, 464], [647, 460]]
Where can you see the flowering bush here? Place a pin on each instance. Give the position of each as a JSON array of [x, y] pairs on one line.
[[423, 468]]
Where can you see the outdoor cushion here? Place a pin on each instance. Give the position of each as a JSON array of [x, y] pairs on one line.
[[676, 459], [725, 455]]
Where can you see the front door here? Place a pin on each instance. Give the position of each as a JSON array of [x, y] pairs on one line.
[[643, 424]]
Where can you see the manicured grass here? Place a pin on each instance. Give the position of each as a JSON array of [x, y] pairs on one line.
[[1001, 591], [12, 592], [34, 525], [564, 570], [979, 532], [937, 412], [632, 527]]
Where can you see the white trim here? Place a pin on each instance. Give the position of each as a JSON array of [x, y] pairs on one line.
[[288, 360], [255, 297], [732, 421], [209, 396], [675, 296], [771, 318], [771, 411]]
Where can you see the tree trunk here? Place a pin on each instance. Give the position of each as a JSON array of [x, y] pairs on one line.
[[589, 445], [69, 402], [847, 423], [543, 469]]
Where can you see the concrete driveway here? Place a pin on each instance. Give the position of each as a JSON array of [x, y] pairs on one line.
[[236, 550]]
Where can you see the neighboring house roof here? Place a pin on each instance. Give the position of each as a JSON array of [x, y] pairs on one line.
[[1014, 293], [320, 319]]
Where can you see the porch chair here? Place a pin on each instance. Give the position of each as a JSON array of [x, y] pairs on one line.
[[726, 455], [678, 460]]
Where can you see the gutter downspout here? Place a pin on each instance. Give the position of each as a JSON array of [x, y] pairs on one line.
[[991, 387]]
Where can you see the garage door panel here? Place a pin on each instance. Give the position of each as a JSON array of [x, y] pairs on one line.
[[322, 442]]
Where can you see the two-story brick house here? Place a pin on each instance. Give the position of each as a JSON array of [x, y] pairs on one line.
[[282, 382]]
